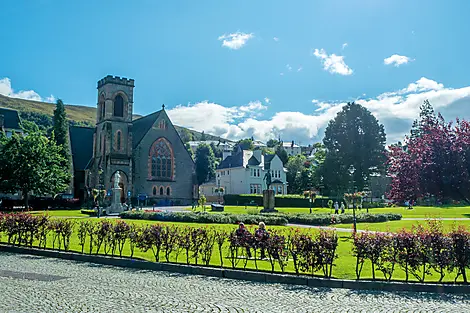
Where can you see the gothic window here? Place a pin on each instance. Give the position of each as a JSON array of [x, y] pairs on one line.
[[103, 110], [161, 160], [161, 191], [168, 191], [162, 124], [118, 140], [119, 106], [154, 191]]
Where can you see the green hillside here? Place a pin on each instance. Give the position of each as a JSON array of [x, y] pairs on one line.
[[41, 114]]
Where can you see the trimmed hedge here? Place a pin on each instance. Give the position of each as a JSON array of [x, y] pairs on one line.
[[90, 212], [280, 201], [268, 219], [204, 217], [329, 219]]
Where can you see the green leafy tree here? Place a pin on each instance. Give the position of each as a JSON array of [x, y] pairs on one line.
[[205, 163], [299, 174], [282, 154], [245, 144], [32, 163], [272, 143], [190, 151], [354, 139]]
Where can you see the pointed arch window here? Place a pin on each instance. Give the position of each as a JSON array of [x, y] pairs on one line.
[[118, 106], [154, 191], [168, 191], [161, 160], [161, 191], [118, 140]]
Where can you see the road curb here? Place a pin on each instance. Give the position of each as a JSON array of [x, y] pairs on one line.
[[248, 275]]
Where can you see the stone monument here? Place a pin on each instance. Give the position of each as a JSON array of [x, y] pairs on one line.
[[268, 195], [116, 205]]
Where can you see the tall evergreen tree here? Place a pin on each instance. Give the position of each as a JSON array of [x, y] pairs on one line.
[[354, 139], [61, 132], [205, 163]]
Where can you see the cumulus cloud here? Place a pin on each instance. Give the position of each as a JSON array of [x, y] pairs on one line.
[[276, 39], [267, 100], [51, 99], [7, 90], [333, 63], [299, 69], [344, 45], [397, 60], [236, 40], [395, 109]]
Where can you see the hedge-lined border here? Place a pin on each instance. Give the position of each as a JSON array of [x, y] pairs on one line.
[[262, 277]]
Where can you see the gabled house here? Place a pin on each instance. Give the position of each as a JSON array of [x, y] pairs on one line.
[[10, 122], [244, 173]]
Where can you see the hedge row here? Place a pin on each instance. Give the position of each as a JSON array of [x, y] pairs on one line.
[[205, 218], [329, 219], [288, 201], [268, 219], [419, 252], [310, 252]]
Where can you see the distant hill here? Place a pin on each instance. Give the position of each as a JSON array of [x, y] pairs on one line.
[[41, 113]]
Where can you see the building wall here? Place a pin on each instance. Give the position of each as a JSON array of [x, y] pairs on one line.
[[181, 185], [293, 150]]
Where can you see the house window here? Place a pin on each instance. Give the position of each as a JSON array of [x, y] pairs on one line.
[[118, 106], [255, 188], [161, 160]]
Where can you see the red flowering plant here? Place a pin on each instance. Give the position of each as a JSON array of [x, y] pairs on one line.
[[101, 233], [169, 240], [208, 243], [276, 248], [442, 254], [461, 246], [220, 238], [121, 233], [296, 242], [327, 242], [409, 255]]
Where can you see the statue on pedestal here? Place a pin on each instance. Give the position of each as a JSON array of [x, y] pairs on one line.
[[117, 180], [268, 179]]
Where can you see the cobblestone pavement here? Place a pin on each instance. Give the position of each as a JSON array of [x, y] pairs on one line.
[[37, 284]]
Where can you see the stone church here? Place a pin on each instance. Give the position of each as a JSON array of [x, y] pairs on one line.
[[148, 152]]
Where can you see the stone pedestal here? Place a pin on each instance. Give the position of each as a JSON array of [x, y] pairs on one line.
[[116, 205], [268, 201]]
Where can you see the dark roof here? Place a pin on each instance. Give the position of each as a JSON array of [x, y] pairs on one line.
[[11, 119], [277, 181], [253, 161], [141, 126], [235, 160], [267, 160], [81, 141]]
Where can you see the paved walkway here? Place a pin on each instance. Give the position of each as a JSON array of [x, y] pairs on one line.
[[37, 284]]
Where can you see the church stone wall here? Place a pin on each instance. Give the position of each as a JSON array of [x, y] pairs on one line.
[[183, 168]]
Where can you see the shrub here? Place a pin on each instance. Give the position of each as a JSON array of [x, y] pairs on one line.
[[91, 212], [204, 217], [461, 246]]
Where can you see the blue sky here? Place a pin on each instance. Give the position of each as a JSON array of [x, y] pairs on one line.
[[245, 68]]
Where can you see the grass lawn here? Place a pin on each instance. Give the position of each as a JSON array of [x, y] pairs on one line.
[[416, 212], [62, 213], [344, 265], [395, 226]]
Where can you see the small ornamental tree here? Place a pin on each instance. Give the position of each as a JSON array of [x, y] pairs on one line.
[[461, 245], [409, 255], [82, 232], [220, 238], [121, 233]]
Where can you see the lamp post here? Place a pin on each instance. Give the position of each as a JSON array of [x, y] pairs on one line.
[[351, 171]]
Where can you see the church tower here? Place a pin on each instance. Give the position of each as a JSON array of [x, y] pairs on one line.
[[112, 142]]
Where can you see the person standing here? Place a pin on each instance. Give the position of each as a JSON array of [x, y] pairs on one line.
[[342, 207], [336, 207]]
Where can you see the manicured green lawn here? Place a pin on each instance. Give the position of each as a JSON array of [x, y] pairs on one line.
[[344, 266], [68, 213], [395, 226], [419, 211]]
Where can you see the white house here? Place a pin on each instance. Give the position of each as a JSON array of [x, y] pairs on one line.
[[292, 148], [226, 147], [244, 173]]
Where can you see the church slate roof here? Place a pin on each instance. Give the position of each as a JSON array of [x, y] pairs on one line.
[[141, 126], [81, 142], [11, 119]]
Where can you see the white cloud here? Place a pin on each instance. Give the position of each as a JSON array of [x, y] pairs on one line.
[[267, 100], [7, 90], [276, 39], [288, 67], [282, 74], [236, 40], [51, 99], [397, 60], [344, 45], [333, 63], [395, 109], [299, 69]]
